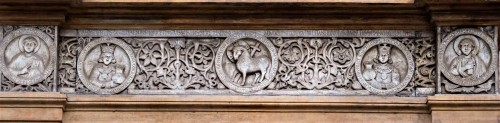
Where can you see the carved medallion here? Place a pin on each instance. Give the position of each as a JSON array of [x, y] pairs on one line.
[[246, 62], [106, 65], [27, 56], [467, 57], [384, 66], [249, 62]]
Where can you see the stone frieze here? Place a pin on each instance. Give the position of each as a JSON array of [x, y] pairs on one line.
[[246, 62], [220, 62]]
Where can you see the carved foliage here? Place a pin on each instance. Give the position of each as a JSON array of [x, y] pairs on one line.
[[423, 49], [329, 64], [315, 64], [175, 63], [248, 63], [69, 48]]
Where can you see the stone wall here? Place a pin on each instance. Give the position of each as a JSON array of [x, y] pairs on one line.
[[80, 61]]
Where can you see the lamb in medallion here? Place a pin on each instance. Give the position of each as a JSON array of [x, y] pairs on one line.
[[246, 63]]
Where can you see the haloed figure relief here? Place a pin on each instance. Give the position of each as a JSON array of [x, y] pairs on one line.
[[27, 57], [107, 74], [467, 59], [27, 64], [467, 63], [381, 73]]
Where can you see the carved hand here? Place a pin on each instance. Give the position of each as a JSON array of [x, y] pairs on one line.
[[25, 70]]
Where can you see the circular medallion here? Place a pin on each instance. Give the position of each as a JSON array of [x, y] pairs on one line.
[[27, 56], [246, 63], [467, 57], [106, 65], [384, 66]]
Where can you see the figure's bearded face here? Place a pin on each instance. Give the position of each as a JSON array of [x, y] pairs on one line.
[[466, 47], [107, 58], [29, 45]]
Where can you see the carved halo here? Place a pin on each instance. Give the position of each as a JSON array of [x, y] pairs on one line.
[[460, 39], [406, 55], [89, 48], [42, 38], [469, 81], [21, 42]]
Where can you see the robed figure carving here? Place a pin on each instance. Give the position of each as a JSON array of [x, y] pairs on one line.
[[27, 63], [107, 74], [467, 63], [381, 73]]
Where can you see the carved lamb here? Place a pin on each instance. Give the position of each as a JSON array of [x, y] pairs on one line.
[[247, 64]]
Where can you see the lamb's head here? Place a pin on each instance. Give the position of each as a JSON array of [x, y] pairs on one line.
[[239, 48], [237, 51]]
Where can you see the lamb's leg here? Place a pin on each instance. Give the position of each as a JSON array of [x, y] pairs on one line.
[[256, 78], [262, 74], [244, 78], [236, 78]]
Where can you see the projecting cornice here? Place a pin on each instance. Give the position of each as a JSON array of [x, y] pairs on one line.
[[260, 1], [253, 14], [464, 12]]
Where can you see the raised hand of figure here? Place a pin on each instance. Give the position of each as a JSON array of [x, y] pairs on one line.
[[25, 70]]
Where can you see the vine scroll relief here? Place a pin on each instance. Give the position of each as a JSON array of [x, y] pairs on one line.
[[248, 63]]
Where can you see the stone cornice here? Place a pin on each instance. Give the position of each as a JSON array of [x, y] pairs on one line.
[[261, 1], [444, 102], [75, 14], [247, 103], [25, 107], [32, 100]]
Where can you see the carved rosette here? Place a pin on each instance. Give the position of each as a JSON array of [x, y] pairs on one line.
[[467, 59], [246, 62], [28, 57], [106, 65], [384, 66]]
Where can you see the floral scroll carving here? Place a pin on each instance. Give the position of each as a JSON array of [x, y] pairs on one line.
[[249, 63], [315, 63], [175, 64]]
